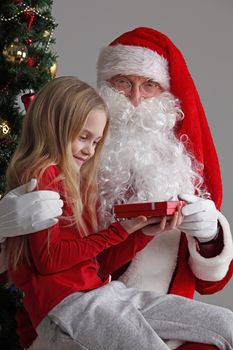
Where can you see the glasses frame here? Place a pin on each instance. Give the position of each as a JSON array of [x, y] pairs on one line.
[[148, 88]]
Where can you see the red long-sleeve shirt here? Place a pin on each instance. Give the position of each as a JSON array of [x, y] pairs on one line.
[[71, 263]]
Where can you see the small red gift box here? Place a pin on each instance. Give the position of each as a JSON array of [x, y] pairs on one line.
[[147, 209]]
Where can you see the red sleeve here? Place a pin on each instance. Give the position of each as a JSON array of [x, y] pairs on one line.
[[25, 330], [66, 247], [66, 250], [115, 257], [213, 247]]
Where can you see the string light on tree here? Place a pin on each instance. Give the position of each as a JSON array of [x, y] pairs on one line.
[[25, 10], [8, 19]]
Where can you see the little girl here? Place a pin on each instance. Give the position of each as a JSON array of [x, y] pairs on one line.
[[64, 272]]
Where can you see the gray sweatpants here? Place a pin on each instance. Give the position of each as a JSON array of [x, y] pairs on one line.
[[114, 317]]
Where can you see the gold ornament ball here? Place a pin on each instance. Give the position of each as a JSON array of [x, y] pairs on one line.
[[53, 70], [15, 52], [4, 129], [46, 34]]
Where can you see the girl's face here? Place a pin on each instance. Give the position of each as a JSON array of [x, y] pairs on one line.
[[83, 147]]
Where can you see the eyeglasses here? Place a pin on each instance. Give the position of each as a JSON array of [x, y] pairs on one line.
[[148, 88]]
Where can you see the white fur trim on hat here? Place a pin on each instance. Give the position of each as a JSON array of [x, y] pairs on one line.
[[132, 60], [212, 269]]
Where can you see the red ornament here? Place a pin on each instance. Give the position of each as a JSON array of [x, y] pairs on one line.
[[28, 41], [27, 99], [31, 62], [28, 16], [17, 2]]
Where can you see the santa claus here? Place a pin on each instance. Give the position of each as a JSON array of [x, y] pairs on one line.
[[159, 149]]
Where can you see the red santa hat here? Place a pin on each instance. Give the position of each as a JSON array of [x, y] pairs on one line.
[[149, 53]]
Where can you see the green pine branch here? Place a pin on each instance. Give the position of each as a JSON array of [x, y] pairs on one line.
[[17, 79]]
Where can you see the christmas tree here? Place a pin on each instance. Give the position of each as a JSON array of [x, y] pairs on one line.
[[26, 64]]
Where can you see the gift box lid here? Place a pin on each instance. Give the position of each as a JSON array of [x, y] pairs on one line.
[[147, 208]]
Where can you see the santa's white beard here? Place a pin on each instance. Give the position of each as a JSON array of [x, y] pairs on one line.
[[142, 159]]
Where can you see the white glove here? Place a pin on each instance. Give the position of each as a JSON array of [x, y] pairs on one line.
[[200, 218], [22, 213]]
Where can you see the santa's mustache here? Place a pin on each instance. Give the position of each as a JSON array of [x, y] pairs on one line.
[[153, 114]]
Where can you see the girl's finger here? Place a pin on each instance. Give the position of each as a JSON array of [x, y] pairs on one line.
[[180, 216], [174, 221], [163, 223]]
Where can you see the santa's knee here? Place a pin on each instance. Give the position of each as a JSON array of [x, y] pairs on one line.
[[223, 321]]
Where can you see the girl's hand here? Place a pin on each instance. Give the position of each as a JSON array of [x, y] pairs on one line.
[[153, 225], [164, 224], [134, 224]]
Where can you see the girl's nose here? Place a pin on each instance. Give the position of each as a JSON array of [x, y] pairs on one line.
[[88, 149]]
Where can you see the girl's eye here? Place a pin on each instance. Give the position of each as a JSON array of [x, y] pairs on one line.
[[97, 141], [82, 137]]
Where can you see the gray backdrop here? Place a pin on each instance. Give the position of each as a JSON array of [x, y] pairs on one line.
[[201, 29]]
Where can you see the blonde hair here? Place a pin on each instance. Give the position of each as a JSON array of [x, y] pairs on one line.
[[54, 119]]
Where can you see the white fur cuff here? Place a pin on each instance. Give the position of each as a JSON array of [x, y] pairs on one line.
[[212, 269]]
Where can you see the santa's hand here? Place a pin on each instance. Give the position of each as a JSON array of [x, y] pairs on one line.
[[200, 218], [22, 212]]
